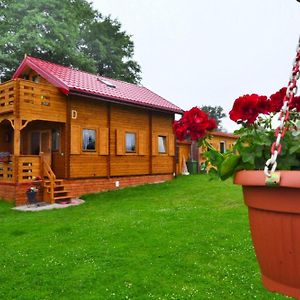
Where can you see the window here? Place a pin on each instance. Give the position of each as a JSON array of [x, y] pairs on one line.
[[222, 147], [130, 139], [162, 144], [89, 140], [55, 140]]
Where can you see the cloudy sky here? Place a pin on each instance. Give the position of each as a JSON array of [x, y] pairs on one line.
[[199, 52]]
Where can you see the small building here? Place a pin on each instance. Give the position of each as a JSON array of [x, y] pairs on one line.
[[80, 133], [221, 141], [191, 156]]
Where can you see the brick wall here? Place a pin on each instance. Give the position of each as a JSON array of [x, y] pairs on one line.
[[8, 191], [78, 187]]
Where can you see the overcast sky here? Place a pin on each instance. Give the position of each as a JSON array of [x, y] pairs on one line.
[[199, 52]]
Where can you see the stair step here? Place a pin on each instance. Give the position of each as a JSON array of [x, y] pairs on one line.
[[57, 182], [62, 198], [62, 193], [56, 188]]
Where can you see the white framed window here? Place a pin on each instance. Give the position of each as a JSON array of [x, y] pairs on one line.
[[162, 144], [89, 140], [130, 142]]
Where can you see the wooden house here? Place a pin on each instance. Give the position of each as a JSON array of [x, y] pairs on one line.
[[222, 141], [188, 153], [80, 133]]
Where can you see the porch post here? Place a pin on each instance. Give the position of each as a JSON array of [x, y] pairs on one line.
[[17, 134], [17, 148]]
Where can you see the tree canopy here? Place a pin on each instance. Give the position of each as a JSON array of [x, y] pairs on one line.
[[67, 32], [216, 112]]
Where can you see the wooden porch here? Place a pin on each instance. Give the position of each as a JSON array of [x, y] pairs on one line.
[[25, 169], [26, 108]]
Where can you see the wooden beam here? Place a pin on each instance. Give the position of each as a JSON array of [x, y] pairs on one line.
[[17, 133], [12, 122], [108, 159], [150, 142], [25, 124], [68, 138], [174, 158]]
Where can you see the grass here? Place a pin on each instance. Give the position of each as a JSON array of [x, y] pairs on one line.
[[185, 239]]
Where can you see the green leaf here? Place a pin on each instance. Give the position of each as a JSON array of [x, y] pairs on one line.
[[229, 165]]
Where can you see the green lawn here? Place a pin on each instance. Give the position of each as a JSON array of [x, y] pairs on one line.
[[185, 239]]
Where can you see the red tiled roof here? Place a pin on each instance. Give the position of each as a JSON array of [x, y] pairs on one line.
[[69, 80]]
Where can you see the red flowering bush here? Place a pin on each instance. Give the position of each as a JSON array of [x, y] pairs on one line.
[[194, 124]]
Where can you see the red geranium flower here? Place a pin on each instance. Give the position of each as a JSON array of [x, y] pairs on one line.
[[277, 100], [194, 124], [263, 105], [295, 103], [246, 108]]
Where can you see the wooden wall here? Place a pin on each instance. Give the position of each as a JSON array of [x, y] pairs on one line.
[[90, 114], [111, 122], [184, 151], [41, 101], [162, 125], [6, 137], [215, 142]]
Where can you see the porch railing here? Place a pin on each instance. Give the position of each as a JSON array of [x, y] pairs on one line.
[[6, 171], [29, 167], [7, 96], [48, 174], [22, 168]]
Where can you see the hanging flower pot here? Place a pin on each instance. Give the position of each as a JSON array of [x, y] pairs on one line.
[[273, 198], [274, 218]]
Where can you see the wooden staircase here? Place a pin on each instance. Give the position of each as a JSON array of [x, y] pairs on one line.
[[54, 189], [58, 194]]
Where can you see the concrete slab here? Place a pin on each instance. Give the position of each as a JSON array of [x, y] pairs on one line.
[[46, 206]]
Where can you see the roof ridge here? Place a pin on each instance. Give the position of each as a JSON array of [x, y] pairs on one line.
[[81, 71]]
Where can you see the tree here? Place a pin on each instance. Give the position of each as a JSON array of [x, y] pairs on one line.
[[216, 112], [67, 32]]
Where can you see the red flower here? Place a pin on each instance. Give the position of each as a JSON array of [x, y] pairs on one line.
[[277, 100], [295, 103], [212, 124], [263, 105], [246, 108], [180, 128], [194, 124]]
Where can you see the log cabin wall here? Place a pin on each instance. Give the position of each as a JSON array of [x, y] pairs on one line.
[[111, 123], [133, 121], [41, 101], [88, 115], [162, 126]]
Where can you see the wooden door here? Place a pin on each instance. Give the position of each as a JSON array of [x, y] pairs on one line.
[[40, 143], [45, 145]]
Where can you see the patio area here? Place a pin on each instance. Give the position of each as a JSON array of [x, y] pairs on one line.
[[47, 206]]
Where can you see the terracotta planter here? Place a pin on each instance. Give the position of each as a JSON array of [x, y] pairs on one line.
[[274, 217]]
